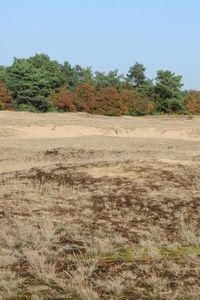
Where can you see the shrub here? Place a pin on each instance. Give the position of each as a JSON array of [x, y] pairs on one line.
[[171, 105], [128, 97], [5, 97], [175, 105], [192, 102], [41, 103], [26, 107], [108, 102], [85, 96], [135, 104], [142, 106], [63, 99], [1, 106]]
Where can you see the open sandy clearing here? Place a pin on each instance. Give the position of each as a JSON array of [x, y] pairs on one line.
[[76, 125], [95, 207]]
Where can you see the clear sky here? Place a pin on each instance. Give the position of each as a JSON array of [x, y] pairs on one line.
[[106, 34]]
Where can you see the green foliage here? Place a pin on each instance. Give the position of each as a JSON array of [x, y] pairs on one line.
[[146, 89], [1, 106], [171, 105], [50, 69], [72, 77], [136, 74], [41, 103], [2, 73], [112, 79], [26, 107], [169, 97], [69, 76], [83, 75], [31, 80], [168, 85], [122, 254], [176, 105], [41, 84]]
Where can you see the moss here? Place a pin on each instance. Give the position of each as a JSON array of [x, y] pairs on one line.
[[122, 254], [179, 252]]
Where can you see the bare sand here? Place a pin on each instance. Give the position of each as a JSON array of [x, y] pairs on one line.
[[25, 136]]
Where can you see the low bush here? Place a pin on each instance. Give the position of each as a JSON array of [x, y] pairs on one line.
[[26, 107], [142, 106], [108, 102], [62, 99], [5, 97], [1, 106], [137, 105], [85, 97], [192, 102], [41, 103]]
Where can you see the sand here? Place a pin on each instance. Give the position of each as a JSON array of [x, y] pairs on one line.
[[24, 136], [95, 207]]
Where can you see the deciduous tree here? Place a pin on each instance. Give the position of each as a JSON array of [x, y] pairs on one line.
[[5, 97], [192, 102], [108, 102], [62, 98], [85, 96]]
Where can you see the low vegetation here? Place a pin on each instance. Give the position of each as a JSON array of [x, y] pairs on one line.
[[67, 235], [109, 217]]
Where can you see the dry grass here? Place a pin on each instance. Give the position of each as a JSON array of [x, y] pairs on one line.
[[85, 223]]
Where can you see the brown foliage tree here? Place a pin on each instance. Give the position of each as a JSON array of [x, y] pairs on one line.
[[143, 106], [85, 96], [135, 104], [63, 99], [129, 97], [108, 102], [5, 97], [192, 102]]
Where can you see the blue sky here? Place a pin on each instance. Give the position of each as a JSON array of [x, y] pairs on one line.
[[106, 34]]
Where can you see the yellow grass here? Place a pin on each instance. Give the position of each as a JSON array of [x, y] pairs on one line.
[[96, 207]]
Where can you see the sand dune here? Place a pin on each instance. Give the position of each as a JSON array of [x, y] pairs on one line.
[[77, 125]]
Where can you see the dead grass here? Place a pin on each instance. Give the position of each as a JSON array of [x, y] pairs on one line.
[[100, 224]]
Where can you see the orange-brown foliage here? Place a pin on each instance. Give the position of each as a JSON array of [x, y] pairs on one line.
[[128, 97], [192, 102], [135, 104], [108, 102], [85, 96], [63, 99], [5, 97]]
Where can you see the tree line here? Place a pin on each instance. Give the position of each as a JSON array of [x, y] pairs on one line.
[[39, 84]]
